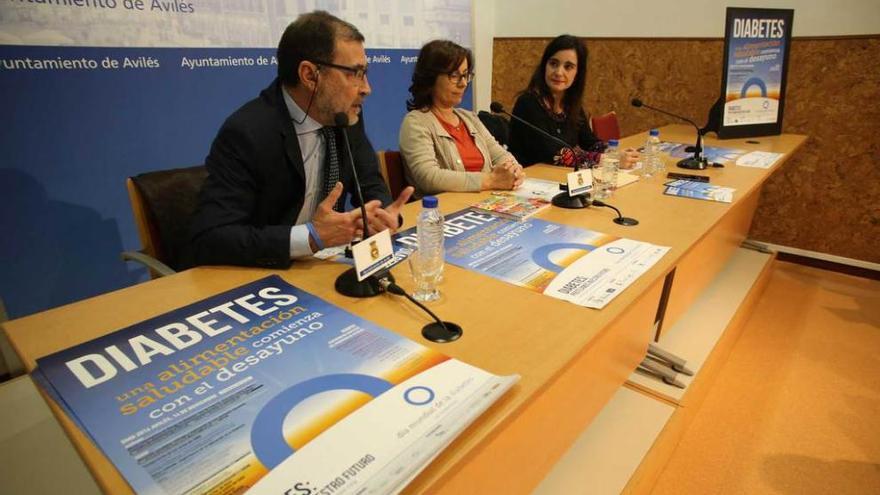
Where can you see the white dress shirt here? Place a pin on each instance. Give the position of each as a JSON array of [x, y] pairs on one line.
[[313, 149]]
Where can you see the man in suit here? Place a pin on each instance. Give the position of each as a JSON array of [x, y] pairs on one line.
[[278, 168]]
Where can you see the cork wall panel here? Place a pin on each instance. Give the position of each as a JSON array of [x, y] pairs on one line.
[[826, 198]]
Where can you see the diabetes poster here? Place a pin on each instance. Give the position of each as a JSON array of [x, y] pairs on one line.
[[757, 42]]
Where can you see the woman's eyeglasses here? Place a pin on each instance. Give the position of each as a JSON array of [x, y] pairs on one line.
[[457, 77]]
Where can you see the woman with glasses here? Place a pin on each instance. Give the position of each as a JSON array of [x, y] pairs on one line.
[[446, 148], [552, 102]]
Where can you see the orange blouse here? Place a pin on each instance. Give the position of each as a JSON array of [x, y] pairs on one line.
[[471, 157]]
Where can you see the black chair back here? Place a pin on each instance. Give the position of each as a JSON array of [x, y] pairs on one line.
[[169, 200], [497, 125]]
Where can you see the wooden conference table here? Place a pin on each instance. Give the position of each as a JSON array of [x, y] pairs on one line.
[[571, 359]]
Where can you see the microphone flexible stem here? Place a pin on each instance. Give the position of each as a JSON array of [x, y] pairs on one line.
[[596, 202], [698, 149], [357, 184], [499, 109], [533, 126], [398, 290], [689, 121]]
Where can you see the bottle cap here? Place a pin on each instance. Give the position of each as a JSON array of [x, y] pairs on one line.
[[655, 132], [612, 142], [429, 202]]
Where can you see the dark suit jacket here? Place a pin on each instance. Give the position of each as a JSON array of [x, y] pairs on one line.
[[256, 184]]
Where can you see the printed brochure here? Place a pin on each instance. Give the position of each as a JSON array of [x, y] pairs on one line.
[[268, 389], [699, 190], [539, 255]]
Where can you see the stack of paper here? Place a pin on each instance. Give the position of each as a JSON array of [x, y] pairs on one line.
[[699, 190], [758, 159], [508, 205]]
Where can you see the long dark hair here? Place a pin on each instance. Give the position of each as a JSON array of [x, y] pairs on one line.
[[571, 101], [435, 58]]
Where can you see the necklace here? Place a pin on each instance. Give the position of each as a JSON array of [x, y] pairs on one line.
[[560, 116], [457, 127]]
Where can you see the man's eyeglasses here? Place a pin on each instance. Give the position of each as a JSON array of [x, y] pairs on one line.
[[457, 77], [359, 72]]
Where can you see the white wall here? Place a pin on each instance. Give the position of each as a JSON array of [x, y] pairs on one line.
[[484, 33], [680, 18], [646, 18]]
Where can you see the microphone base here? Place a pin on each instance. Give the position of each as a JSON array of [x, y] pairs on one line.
[[347, 284], [436, 333], [563, 200], [693, 163], [626, 221]]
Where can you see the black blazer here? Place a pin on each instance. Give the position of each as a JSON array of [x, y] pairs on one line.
[[529, 147], [256, 185]]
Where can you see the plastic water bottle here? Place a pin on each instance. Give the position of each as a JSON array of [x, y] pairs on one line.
[[429, 260], [651, 161], [606, 180]]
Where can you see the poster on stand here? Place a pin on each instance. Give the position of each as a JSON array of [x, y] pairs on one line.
[[756, 46]]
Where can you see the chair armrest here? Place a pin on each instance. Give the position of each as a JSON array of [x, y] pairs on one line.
[[152, 263]]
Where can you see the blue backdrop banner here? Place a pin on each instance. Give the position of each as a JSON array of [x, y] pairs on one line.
[[99, 90]]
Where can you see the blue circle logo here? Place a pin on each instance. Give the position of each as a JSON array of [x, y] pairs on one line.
[[541, 256], [418, 396], [755, 81], [267, 435], [615, 250]]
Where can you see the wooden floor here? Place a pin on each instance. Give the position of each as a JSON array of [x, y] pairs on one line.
[[796, 408]]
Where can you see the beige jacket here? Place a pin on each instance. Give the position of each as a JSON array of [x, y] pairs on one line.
[[433, 164]]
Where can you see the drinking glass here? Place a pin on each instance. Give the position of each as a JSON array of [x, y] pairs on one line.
[[426, 274], [601, 184]]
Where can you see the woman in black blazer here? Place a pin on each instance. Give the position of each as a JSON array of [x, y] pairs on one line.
[[552, 102]]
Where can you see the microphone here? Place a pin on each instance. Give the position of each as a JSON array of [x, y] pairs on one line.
[[562, 200], [341, 120], [497, 107], [620, 220], [697, 162], [348, 284], [438, 331]]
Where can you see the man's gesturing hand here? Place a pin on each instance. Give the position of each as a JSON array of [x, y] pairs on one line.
[[335, 228], [387, 218]]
